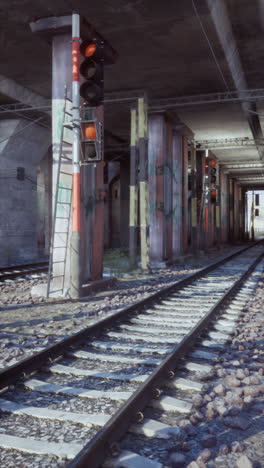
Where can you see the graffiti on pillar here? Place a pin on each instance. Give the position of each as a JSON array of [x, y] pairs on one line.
[[159, 169], [98, 196]]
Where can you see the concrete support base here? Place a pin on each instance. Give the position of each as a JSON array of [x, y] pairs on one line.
[[40, 290]]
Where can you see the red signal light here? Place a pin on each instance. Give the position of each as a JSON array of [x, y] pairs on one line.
[[89, 50], [90, 132], [213, 163]]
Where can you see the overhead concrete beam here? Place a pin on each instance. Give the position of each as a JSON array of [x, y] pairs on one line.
[[226, 37], [11, 89], [261, 12]]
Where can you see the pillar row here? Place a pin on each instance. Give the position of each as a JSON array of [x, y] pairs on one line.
[[168, 189]]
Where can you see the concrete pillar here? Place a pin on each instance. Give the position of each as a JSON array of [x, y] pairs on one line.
[[124, 203], [23, 144], [157, 135], [133, 188], [143, 182], [194, 220], [200, 197], [231, 209], [44, 196], [168, 181], [93, 213], [218, 208], [224, 202], [240, 201], [236, 211], [61, 80], [177, 148], [184, 194]]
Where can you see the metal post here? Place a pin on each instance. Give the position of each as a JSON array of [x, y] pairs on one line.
[[76, 266], [133, 193], [193, 200], [143, 182]]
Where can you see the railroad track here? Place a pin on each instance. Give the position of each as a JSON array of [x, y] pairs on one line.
[[18, 271], [72, 402]]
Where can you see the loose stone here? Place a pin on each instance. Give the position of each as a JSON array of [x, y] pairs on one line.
[[177, 460], [237, 447], [232, 381], [208, 440], [193, 464], [205, 455], [238, 422], [220, 390], [198, 401], [244, 462], [223, 449]]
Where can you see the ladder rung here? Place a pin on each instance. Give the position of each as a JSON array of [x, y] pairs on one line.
[[67, 125], [66, 142], [57, 276], [66, 157], [60, 232], [61, 261], [67, 173], [63, 203], [68, 113], [65, 188], [59, 247], [55, 290], [62, 217]]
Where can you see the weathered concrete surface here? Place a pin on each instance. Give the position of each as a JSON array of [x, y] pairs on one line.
[[25, 146]]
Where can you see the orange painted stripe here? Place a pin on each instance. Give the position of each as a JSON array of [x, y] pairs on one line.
[[76, 202], [206, 218], [75, 59]]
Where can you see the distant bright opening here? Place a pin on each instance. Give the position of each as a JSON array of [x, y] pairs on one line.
[[255, 214]]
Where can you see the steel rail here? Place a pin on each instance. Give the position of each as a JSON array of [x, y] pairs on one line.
[[11, 272], [31, 364], [95, 451]]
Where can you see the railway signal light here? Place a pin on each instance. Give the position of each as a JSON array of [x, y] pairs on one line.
[[20, 175], [91, 136], [92, 70], [213, 195], [213, 169]]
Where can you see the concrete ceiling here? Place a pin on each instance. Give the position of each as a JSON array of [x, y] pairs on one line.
[[163, 49]]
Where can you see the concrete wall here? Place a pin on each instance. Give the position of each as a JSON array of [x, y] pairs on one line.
[[24, 146]]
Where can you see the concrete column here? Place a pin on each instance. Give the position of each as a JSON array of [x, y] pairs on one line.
[[61, 79], [184, 194], [224, 203], [240, 201], [23, 144], [143, 182], [236, 211], [193, 200], [231, 209], [133, 189], [177, 147], [93, 213], [200, 197], [218, 208], [168, 181], [157, 134], [124, 203]]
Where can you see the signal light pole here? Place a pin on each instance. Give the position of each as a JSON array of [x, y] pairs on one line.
[[76, 266]]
